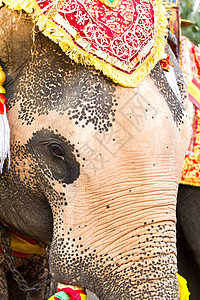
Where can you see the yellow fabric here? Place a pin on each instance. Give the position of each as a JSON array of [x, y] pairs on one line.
[[194, 91], [20, 245], [183, 289], [57, 35], [83, 297]]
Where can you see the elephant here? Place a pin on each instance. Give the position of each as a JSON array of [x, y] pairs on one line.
[[94, 168], [188, 236]]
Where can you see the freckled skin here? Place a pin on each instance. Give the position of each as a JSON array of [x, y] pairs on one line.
[[87, 96], [94, 170], [160, 81]]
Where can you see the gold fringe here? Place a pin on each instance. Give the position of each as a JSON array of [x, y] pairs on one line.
[[190, 183], [57, 35]]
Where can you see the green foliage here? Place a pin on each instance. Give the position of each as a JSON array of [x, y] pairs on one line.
[[190, 10]]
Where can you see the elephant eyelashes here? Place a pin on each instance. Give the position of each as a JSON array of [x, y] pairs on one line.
[[57, 151]]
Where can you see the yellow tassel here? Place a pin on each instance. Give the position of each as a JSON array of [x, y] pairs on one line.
[[2, 80], [183, 289]]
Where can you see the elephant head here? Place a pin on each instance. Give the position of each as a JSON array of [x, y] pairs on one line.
[[94, 167]]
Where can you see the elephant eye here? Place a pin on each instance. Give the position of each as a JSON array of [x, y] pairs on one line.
[[57, 151]]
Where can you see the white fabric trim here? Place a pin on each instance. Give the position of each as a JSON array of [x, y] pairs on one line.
[[4, 140], [171, 78]]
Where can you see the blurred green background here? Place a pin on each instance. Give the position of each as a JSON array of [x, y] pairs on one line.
[[190, 10]]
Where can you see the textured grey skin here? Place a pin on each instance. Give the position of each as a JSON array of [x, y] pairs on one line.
[[90, 100], [160, 81]]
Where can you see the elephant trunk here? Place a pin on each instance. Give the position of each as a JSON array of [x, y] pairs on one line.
[[117, 238], [142, 266]]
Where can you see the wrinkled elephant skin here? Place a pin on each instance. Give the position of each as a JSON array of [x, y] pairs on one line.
[[94, 167]]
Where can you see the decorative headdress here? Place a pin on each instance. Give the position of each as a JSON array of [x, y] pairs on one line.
[[122, 38]]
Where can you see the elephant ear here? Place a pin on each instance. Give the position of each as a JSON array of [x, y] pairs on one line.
[[122, 38], [172, 41], [4, 126]]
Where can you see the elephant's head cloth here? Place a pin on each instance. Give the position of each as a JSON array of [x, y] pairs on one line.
[[122, 38]]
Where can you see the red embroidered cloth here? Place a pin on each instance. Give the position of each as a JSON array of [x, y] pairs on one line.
[[122, 38], [122, 33]]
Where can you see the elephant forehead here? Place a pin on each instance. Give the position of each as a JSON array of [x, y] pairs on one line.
[[51, 82], [101, 105], [142, 120]]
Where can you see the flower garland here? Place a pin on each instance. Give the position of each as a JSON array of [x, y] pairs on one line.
[[69, 293]]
